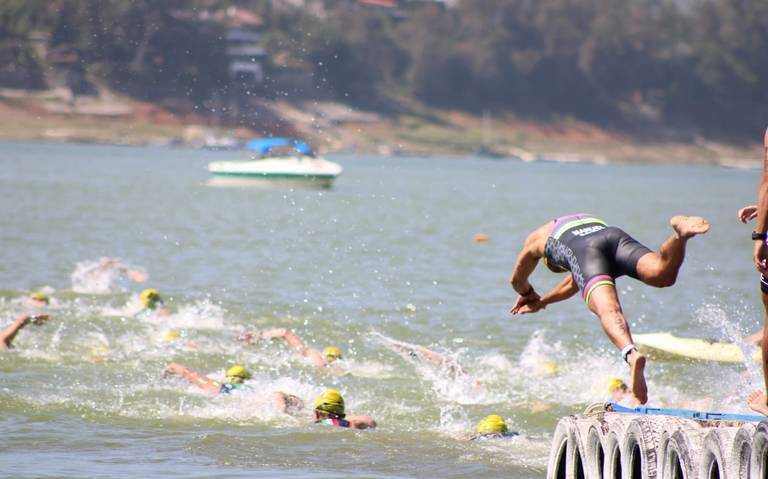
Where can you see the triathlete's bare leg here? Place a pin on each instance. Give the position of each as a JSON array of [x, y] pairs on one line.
[[604, 302], [660, 269]]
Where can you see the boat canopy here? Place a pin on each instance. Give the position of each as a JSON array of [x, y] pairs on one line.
[[265, 145]]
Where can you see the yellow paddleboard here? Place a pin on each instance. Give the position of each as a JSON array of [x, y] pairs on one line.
[[665, 345]]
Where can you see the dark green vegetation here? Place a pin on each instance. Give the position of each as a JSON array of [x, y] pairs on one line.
[[640, 66]]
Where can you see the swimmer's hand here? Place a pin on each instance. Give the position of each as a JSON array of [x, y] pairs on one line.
[[249, 337], [748, 213], [529, 308], [758, 257], [136, 276], [173, 369], [38, 319], [530, 299]]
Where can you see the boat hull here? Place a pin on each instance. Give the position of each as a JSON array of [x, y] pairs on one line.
[[293, 170]]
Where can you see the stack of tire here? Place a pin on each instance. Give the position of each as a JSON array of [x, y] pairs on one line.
[[614, 445]]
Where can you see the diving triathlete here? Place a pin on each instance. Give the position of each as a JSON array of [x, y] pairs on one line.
[[235, 381], [492, 427], [317, 358], [8, 334], [758, 400], [596, 254], [329, 409]]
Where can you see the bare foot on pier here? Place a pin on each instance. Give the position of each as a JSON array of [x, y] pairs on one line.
[[637, 372]]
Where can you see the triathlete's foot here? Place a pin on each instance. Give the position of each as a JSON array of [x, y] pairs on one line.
[[757, 402], [637, 372], [689, 226]]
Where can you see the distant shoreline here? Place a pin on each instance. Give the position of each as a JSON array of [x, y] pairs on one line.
[[333, 127]]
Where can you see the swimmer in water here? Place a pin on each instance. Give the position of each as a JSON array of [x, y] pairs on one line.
[[320, 359], [98, 276], [329, 409], [620, 393], [492, 427], [235, 381], [151, 304], [415, 352], [596, 254], [37, 300], [8, 334]]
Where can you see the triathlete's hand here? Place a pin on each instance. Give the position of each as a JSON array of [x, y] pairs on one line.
[[758, 257], [173, 368], [136, 276], [531, 307], [38, 319], [247, 337], [748, 213], [523, 300]]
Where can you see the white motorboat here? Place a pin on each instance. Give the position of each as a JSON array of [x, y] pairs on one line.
[[277, 160]]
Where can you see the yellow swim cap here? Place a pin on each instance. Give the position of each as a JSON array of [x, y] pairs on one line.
[[99, 350], [38, 296], [615, 383], [330, 401], [492, 424], [150, 297], [331, 354], [169, 336], [550, 367], [237, 374]]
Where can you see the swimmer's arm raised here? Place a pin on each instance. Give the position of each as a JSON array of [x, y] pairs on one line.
[[203, 382], [8, 334], [312, 354]]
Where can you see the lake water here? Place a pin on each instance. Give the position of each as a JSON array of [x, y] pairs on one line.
[[386, 255]]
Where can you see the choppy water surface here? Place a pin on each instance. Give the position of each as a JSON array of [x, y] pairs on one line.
[[385, 256]]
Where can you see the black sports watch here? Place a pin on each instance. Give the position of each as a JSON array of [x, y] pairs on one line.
[[758, 236]]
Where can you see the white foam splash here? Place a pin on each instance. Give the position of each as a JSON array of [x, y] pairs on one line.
[[100, 276]]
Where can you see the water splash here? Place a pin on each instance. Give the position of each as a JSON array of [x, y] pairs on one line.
[[101, 276], [442, 370]]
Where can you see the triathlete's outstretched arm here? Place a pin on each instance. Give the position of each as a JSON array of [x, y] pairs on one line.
[[8, 334], [203, 382], [292, 339], [562, 291], [529, 256]]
